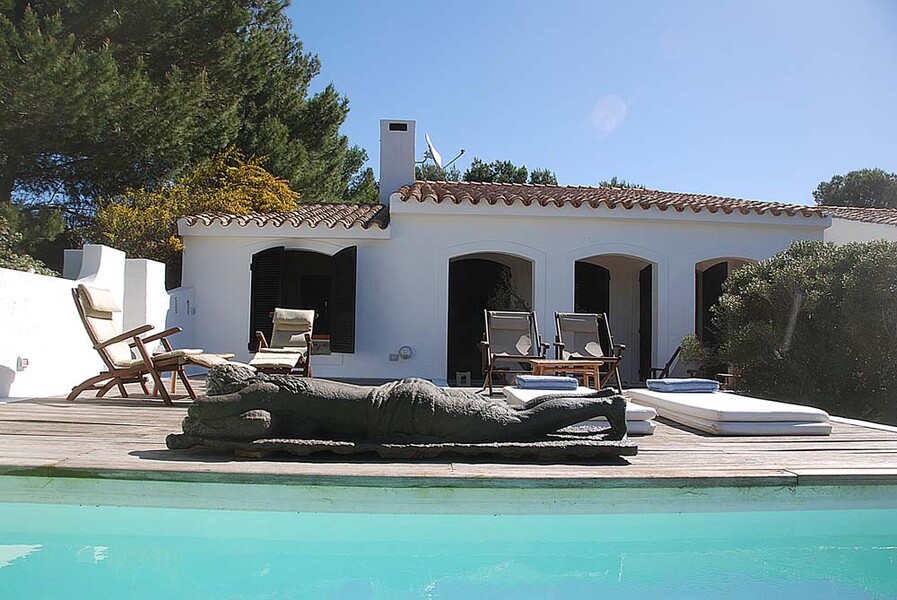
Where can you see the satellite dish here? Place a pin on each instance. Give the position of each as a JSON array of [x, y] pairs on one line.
[[432, 152]]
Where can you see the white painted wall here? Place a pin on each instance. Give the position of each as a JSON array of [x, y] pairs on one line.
[[145, 298], [39, 321], [844, 231], [403, 280]]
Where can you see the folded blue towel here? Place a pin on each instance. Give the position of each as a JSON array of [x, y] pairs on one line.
[[546, 382], [673, 384]]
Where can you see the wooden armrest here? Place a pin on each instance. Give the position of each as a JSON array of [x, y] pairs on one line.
[[132, 333], [559, 349], [160, 335], [263, 343], [311, 347]]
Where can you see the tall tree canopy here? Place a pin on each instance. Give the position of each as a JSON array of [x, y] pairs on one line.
[[867, 188], [504, 171], [100, 97]]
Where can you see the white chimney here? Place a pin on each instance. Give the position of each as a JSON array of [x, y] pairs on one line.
[[396, 156]]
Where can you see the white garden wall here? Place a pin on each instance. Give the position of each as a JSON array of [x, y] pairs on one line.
[[40, 324]]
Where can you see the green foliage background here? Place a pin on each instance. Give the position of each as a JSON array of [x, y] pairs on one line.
[[100, 97], [817, 325], [866, 188]]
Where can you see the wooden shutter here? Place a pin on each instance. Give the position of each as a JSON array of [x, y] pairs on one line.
[[267, 278], [342, 301]]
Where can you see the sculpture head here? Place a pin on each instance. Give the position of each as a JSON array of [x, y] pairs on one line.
[[230, 377]]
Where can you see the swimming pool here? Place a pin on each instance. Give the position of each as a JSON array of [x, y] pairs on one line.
[[580, 543]]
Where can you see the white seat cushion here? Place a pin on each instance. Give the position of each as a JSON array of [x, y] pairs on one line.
[[273, 360]]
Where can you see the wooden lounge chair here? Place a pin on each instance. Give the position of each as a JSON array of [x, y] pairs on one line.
[[290, 348], [97, 307], [512, 338], [587, 336]]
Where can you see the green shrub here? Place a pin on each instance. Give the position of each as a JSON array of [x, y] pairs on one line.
[[10, 240], [817, 325]]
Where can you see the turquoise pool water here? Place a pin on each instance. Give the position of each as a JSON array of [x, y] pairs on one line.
[[71, 551]]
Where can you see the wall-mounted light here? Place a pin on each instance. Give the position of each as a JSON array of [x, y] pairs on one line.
[[406, 352]]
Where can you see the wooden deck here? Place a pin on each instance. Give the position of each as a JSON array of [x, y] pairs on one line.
[[125, 439]]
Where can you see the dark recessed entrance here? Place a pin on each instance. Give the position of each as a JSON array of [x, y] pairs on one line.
[[472, 282]]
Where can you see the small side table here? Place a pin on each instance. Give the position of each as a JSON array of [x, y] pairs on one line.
[[587, 369]]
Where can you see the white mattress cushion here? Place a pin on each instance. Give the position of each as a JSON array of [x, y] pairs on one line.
[[726, 407], [634, 412], [750, 427]]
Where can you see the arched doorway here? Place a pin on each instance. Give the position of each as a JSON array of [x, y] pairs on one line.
[[477, 282], [623, 288], [710, 275]]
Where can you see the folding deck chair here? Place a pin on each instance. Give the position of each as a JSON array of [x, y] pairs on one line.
[[511, 337], [587, 336], [290, 348], [97, 308]]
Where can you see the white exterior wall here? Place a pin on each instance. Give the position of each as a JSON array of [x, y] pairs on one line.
[[844, 231], [402, 282], [39, 321]]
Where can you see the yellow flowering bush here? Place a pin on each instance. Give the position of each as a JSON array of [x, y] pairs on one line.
[[143, 223]]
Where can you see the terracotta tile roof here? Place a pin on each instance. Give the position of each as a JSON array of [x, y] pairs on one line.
[[307, 215], [509, 194], [881, 216]]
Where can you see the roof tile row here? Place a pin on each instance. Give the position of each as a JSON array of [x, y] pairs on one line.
[[628, 198], [438, 192], [311, 215]]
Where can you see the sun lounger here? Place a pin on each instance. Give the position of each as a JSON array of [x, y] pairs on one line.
[[290, 348], [724, 413], [127, 355], [638, 417]]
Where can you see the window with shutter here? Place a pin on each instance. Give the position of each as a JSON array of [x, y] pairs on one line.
[[342, 314], [267, 284]]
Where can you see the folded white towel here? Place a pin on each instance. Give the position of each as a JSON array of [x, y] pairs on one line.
[[546, 382], [673, 384]]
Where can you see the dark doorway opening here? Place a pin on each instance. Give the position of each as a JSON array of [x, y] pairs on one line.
[[472, 282], [591, 288], [283, 278], [709, 289], [645, 321]]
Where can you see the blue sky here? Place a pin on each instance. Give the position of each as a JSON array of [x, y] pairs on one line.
[[758, 99]]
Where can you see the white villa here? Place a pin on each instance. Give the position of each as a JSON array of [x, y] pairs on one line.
[[417, 270]]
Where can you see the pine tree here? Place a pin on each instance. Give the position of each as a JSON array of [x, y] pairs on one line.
[[97, 98]]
